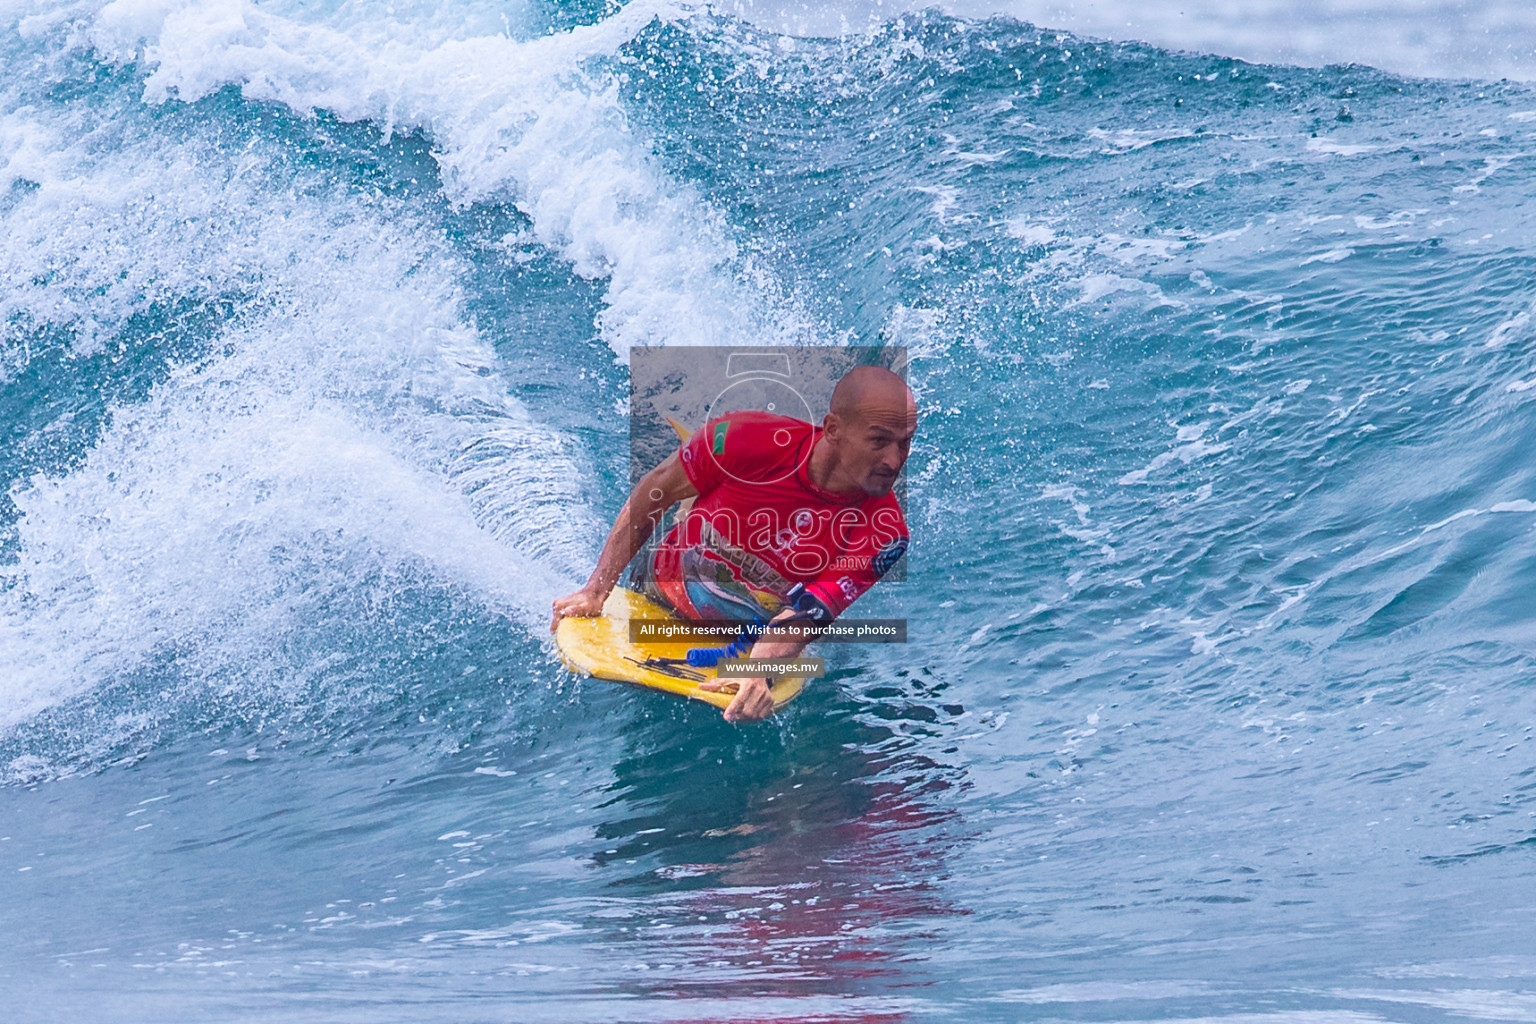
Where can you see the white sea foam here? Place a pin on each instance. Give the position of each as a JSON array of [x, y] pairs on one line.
[[531, 120], [1509, 331], [1096, 286], [1401, 218], [352, 422], [1192, 445], [1102, 991], [1517, 505], [1127, 250], [1028, 232], [1331, 256], [1128, 140], [313, 451], [1332, 148]]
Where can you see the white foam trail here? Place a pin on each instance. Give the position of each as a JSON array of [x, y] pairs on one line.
[[528, 119], [318, 449], [350, 425], [1520, 505]]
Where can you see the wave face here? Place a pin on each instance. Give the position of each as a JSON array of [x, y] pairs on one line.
[[313, 332]]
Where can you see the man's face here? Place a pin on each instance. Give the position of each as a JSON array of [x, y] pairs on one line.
[[873, 444]]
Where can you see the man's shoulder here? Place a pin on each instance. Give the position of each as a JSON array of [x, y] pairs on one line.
[[754, 432], [755, 420]]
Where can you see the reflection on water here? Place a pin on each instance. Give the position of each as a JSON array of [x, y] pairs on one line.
[[776, 863]]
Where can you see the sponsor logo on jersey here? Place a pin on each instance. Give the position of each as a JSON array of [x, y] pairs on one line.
[[849, 588]]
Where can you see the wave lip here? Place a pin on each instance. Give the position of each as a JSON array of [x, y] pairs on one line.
[[534, 119]]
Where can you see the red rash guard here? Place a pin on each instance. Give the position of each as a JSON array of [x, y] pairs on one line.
[[760, 525]]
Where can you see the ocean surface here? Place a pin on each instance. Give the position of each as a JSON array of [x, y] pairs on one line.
[[1480, 39], [314, 327]]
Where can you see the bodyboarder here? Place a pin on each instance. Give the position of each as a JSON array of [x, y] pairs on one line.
[[790, 522]]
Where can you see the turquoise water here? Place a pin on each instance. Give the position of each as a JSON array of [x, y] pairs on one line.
[[1216, 704]]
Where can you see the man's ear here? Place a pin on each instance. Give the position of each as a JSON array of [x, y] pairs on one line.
[[831, 425]]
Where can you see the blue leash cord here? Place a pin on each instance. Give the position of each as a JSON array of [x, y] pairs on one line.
[[709, 657]]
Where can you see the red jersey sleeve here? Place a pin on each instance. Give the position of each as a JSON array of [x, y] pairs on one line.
[[704, 472], [743, 445]]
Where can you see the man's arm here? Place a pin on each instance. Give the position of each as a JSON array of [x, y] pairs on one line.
[[819, 602], [656, 492], [754, 700]]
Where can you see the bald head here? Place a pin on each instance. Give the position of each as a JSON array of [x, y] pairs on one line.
[[866, 390], [867, 433]]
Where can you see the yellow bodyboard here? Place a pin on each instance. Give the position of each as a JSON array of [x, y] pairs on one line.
[[600, 647]]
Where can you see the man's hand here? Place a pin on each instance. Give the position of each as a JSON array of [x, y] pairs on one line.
[[583, 604], [753, 701]]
